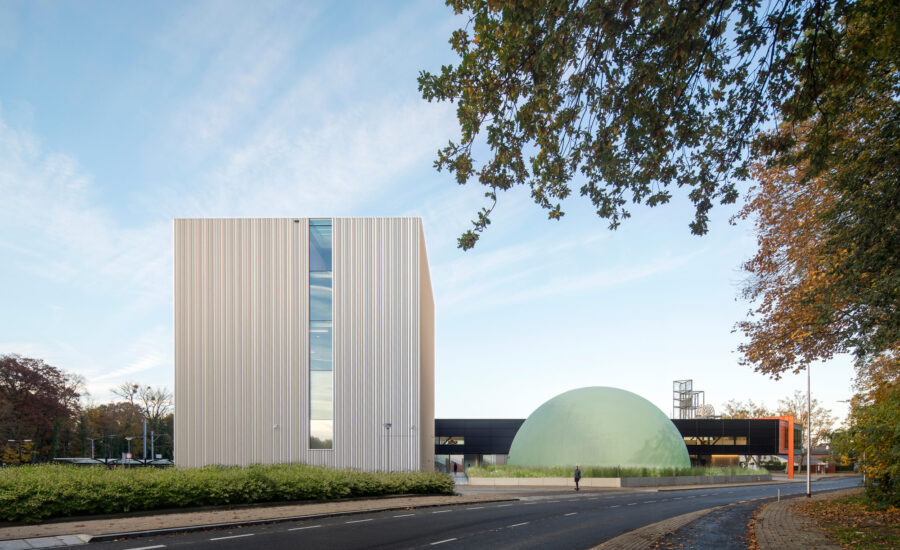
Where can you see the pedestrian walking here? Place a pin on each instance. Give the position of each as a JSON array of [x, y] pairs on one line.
[[577, 476]]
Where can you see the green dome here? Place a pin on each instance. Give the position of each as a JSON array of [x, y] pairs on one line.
[[599, 426]]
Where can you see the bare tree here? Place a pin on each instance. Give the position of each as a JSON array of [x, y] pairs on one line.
[[127, 390], [154, 403]]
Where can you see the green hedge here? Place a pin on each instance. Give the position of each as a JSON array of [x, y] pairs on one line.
[[605, 471], [34, 493]]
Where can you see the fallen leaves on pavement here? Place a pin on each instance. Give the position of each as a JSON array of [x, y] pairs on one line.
[[853, 523]]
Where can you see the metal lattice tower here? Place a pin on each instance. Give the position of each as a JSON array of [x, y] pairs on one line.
[[686, 401]]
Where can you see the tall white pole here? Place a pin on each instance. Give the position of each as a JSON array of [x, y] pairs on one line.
[[808, 431]]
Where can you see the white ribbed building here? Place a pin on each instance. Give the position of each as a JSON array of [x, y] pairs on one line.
[[304, 340]]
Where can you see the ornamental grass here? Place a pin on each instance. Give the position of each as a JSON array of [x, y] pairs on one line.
[[606, 471]]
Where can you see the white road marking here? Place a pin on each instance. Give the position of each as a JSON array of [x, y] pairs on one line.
[[593, 498], [571, 513], [504, 505], [359, 520], [551, 501], [442, 541], [302, 528], [518, 524], [526, 503], [477, 508], [148, 547], [648, 501], [631, 504], [234, 536], [440, 512], [404, 515], [616, 506]]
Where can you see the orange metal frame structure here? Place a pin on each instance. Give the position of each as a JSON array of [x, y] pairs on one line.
[[789, 449]]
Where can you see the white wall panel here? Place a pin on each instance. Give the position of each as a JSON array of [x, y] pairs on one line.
[[241, 346]]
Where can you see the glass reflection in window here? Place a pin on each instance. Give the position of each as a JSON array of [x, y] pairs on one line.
[[319, 246], [320, 295]]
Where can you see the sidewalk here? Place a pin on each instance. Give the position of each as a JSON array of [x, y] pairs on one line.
[[11, 538], [778, 527]]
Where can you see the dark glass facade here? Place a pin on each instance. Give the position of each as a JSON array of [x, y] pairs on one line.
[[474, 442]]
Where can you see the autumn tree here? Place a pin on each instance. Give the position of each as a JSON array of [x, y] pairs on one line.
[[634, 99], [822, 419], [35, 400], [824, 278], [110, 424], [740, 409]]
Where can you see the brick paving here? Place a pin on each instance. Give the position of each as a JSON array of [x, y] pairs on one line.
[[778, 527], [642, 538]]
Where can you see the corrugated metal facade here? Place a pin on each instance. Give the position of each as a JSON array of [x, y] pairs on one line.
[[241, 345]]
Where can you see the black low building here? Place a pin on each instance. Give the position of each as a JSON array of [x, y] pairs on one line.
[[472, 442], [709, 441], [720, 441]]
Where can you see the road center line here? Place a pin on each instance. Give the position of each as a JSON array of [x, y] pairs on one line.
[[148, 547], [476, 508], [505, 505], [233, 536], [631, 504], [302, 528], [404, 515], [440, 512], [571, 513], [442, 541], [359, 520], [616, 506], [593, 498], [519, 524]]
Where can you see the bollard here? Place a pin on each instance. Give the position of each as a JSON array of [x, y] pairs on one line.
[[779, 494]]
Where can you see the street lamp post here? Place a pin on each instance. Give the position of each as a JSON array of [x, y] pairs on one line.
[[110, 437], [128, 456], [808, 433], [92, 439]]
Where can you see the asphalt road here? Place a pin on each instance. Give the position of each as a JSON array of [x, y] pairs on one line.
[[565, 520]]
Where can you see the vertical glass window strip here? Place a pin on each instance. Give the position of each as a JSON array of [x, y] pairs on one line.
[[321, 367]]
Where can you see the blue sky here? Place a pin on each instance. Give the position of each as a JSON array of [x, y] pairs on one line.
[[117, 117]]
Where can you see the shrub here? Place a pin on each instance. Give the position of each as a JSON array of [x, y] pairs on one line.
[[34, 493]]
